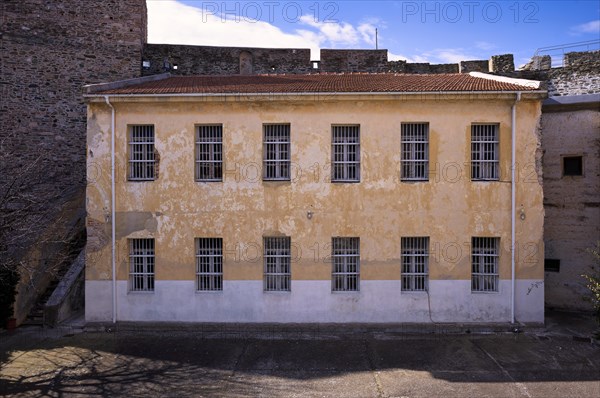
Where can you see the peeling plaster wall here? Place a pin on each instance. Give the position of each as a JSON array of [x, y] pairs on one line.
[[572, 204], [450, 209]]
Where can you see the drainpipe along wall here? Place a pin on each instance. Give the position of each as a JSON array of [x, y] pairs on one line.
[[113, 210], [513, 193]]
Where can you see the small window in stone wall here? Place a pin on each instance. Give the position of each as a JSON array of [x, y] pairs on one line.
[[572, 165], [551, 265], [246, 63]]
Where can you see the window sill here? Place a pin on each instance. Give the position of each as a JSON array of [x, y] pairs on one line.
[[572, 177], [478, 292], [345, 291]]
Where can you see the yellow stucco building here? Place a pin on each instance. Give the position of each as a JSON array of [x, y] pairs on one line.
[[315, 198]]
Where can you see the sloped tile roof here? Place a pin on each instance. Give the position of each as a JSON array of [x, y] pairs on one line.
[[320, 83]]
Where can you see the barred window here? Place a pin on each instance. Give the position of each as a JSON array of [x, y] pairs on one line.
[[572, 165], [415, 151], [276, 255], [142, 161], [141, 265], [209, 264], [345, 147], [276, 152], [485, 253], [345, 254], [209, 153], [484, 152], [415, 263]]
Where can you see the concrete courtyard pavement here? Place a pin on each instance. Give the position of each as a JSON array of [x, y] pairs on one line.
[[186, 362]]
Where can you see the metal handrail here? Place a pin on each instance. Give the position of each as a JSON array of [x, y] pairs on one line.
[[560, 49]]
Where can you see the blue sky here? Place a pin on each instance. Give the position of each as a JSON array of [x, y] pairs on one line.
[[432, 31]]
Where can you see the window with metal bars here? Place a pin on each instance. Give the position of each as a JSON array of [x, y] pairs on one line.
[[209, 153], [209, 264], [484, 152], [415, 263], [572, 165], [345, 254], [142, 160], [484, 258], [141, 265], [276, 255], [276, 151], [415, 151], [345, 147]]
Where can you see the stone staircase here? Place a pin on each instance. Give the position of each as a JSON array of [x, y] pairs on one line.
[[36, 314]]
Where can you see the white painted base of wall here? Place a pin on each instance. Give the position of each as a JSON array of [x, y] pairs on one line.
[[313, 301]]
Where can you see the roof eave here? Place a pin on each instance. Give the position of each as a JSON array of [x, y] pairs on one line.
[[526, 94], [93, 89]]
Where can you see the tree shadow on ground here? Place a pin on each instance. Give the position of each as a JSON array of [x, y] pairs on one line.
[[189, 364]]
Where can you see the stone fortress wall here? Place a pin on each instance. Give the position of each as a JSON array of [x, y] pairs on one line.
[[49, 50]]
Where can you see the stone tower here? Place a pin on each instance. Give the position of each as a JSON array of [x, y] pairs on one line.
[[49, 50]]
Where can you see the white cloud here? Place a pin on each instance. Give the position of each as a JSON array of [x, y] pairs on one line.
[[333, 34], [589, 27], [396, 57], [444, 56], [421, 58], [450, 55], [171, 22], [484, 45], [367, 33]]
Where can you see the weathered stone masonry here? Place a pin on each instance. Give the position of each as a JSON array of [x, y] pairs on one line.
[[580, 75], [366, 61], [206, 60], [49, 50], [571, 203]]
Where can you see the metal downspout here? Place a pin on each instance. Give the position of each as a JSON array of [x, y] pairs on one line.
[[113, 210], [513, 193]]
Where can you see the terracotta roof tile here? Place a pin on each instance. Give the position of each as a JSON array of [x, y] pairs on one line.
[[319, 83]]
